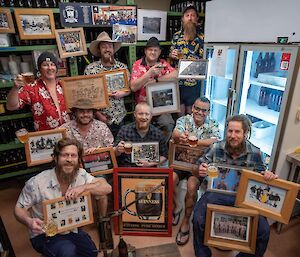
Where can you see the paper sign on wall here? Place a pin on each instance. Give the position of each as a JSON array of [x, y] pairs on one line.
[[285, 61], [218, 61]]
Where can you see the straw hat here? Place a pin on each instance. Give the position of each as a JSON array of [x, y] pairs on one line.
[[83, 103], [103, 37]]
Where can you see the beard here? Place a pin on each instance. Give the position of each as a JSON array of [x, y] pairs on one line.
[[235, 150], [108, 58], [190, 31], [142, 125], [67, 178]]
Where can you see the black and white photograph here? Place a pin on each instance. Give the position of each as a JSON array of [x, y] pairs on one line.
[[125, 33], [192, 69], [6, 22], [162, 97], [36, 24], [146, 151], [3, 21]]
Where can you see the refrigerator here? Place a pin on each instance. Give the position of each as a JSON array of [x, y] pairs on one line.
[[255, 80]]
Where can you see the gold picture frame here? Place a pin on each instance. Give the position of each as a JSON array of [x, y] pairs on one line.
[[70, 42], [6, 21], [35, 23], [116, 80], [243, 240], [274, 199], [85, 87]]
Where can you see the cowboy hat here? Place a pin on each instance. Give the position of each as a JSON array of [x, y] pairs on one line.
[[103, 37], [82, 103]]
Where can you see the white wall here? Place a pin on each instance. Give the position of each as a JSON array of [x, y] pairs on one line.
[[163, 5]]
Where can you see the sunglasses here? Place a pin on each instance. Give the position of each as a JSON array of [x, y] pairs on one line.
[[198, 109]]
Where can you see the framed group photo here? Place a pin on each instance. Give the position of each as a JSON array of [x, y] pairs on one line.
[[35, 23], [145, 151], [163, 97], [231, 228], [145, 195], [274, 199], [40, 144], [125, 33], [116, 80], [192, 69], [101, 161], [6, 21], [70, 42]]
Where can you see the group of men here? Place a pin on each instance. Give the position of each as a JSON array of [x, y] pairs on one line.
[[91, 129]]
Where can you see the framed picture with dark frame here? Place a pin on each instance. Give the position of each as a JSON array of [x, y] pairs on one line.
[[145, 196], [116, 80], [101, 161], [70, 42], [274, 199], [40, 144], [192, 69], [35, 23], [231, 228], [6, 21], [163, 97], [145, 151]]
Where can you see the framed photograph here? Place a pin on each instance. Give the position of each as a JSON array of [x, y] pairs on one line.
[[274, 199], [40, 144], [125, 33], [227, 180], [4, 40], [152, 23], [116, 80], [88, 88], [145, 194], [231, 228], [6, 21], [35, 23], [100, 162], [183, 157], [68, 215], [192, 69], [145, 151], [163, 97], [70, 42]]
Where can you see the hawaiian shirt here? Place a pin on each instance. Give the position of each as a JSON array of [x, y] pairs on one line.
[[139, 68], [45, 114], [191, 50], [209, 129], [45, 186], [98, 136], [117, 111]]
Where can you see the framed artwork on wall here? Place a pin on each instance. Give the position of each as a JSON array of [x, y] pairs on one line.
[[192, 69], [6, 21]]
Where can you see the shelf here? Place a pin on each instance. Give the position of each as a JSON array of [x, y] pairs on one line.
[[261, 112], [6, 84], [227, 76], [222, 101], [15, 116], [265, 144], [257, 83], [20, 172], [12, 164], [10, 146]]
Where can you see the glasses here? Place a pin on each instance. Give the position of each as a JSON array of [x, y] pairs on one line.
[[66, 155], [198, 109]]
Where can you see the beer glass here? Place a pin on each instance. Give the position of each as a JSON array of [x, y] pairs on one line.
[[212, 171], [22, 135], [50, 228]]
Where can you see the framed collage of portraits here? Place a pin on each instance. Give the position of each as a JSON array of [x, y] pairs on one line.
[[145, 151], [116, 80], [6, 21]]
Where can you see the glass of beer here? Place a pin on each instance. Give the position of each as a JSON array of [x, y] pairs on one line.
[[50, 228], [22, 135], [28, 77], [212, 171], [180, 54], [192, 140], [128, 147]]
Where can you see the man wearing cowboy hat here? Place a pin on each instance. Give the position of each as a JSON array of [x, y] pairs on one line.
[[104, 47]]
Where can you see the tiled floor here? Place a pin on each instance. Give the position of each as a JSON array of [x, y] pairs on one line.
[[286, 244]]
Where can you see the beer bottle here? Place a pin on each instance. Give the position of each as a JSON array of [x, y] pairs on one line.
[[267, 62], [258, 65], [122, 247], [272, 62]]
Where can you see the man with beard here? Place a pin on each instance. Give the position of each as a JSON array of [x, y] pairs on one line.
[[140, 131], [188, 44], [105, 48], [66, 179], [234, 150], [207, 132]]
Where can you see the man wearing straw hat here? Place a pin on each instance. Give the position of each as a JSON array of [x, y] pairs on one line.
[[104, 47]]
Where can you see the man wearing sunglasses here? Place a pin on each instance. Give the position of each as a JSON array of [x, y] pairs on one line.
[[207, 132]]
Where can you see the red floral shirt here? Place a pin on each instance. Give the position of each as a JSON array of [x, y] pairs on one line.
[[45, 114], [139, 68]]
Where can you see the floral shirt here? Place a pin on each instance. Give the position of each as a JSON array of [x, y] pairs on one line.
[[45, 114], [209, 129], [98, 136], [139, 68], [117, 111], [191, 50]]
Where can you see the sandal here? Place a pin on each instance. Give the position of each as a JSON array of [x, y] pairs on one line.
[[176, 217], [181, 234]]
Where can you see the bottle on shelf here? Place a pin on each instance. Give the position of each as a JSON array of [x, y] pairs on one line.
[[272, 62], [262, 100], [258, 65], [266, 62], [122, 248]]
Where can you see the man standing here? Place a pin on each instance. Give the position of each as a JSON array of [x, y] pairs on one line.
[[44, 95], [105, 48], [207, 132], [65, 179], [188, 44], [140, 131], [234, 150]]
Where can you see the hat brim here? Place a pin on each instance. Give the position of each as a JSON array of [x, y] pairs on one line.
[[94, 46]]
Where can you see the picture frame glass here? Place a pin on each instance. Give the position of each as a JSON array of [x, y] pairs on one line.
[[33, 24], [70, 41], [117, 81], [146, 151], [194, 69], [4, 21]]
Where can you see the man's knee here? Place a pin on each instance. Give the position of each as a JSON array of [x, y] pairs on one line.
[[64, 250]]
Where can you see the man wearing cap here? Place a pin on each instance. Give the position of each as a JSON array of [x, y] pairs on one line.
[[44, 95], [105, 48], [187, 43], [149, 69]]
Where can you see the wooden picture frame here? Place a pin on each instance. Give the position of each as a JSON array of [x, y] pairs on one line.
[[183, 157], [101, 161], [192, 69], [255, 192], [35, 23], [144, 218], [116, 80], [6, 21], [145, 151], [70, 42], [243, 240], [163, 97], [69, 215], [85, 87], [40, 144]]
